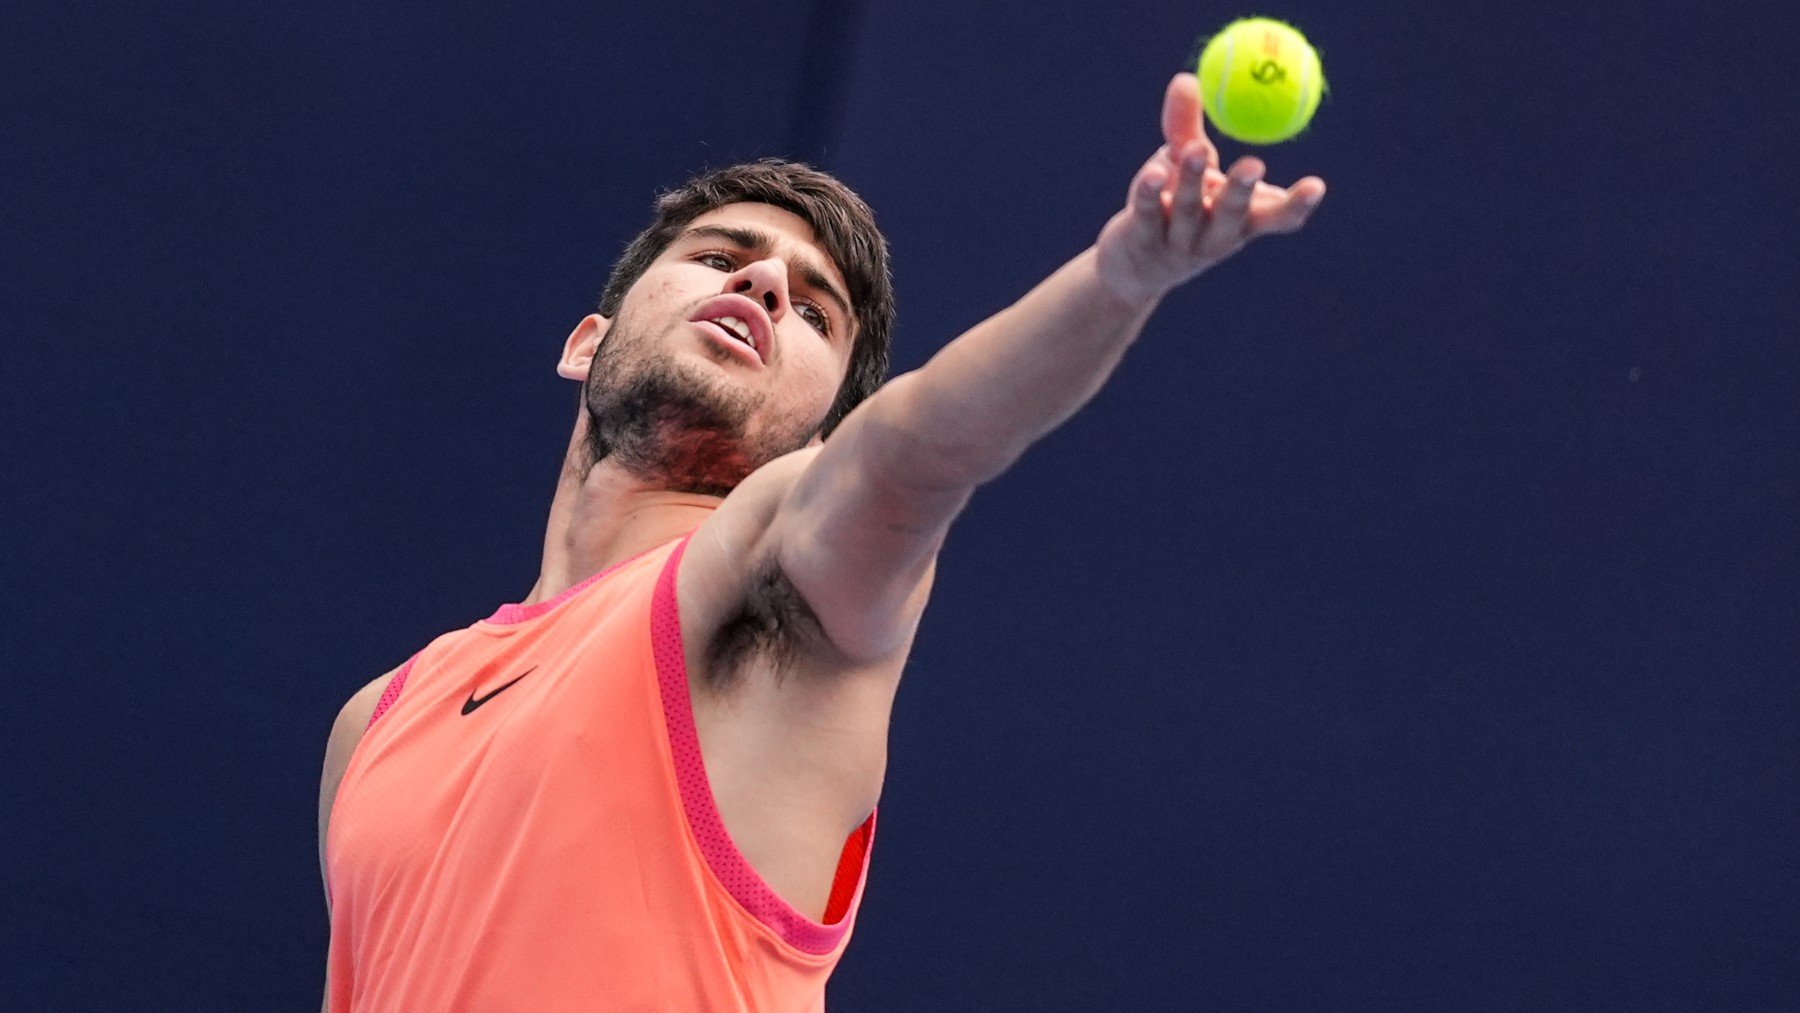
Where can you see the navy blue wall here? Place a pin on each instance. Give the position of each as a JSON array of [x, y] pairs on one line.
[[1410, 624]]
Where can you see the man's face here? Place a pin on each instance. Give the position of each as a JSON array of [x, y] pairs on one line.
[[726, 353]]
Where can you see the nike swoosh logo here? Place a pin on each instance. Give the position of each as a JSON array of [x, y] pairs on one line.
[[471, 703]]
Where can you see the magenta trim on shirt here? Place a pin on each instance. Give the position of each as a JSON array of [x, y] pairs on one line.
[[392, 692], [728, 864]]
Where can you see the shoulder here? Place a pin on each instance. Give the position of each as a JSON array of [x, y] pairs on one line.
[[736, 602], [753, 504], [346, 731], [733, 546], [361, 704], [352, 718]]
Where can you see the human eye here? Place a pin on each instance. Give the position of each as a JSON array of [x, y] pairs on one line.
[[718, 255], [822, 323]]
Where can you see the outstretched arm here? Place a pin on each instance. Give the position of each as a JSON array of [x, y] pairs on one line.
[[859, 530]]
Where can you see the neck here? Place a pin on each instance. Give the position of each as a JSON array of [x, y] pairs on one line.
[[606, 518]]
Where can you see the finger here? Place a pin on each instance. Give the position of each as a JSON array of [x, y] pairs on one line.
[[1181, 112], [1209, 190], [1287, 212], [1215, 181], [1186, 216], [1226, 229], [1165, 158], [1147, 203]]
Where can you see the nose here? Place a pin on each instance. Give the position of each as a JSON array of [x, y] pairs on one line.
[[764, 280]]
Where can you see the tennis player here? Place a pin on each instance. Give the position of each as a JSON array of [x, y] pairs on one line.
[[651, 783]]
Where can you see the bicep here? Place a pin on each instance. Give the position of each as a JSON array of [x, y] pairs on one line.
[[859, 531]]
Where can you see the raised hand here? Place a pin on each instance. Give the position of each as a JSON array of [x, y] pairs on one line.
[[1183, 215]]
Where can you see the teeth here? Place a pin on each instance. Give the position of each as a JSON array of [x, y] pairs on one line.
[[737, 327]]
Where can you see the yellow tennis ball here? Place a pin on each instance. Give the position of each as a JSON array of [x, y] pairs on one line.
[[1260, 81]]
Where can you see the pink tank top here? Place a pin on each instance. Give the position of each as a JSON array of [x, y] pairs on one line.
[[529, 827]]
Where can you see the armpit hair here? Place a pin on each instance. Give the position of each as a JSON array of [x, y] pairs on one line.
[[771, 626]]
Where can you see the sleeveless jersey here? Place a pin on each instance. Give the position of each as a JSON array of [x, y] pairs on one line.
[[526, 824]]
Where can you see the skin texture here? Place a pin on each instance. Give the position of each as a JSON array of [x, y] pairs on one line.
[[803, 586]]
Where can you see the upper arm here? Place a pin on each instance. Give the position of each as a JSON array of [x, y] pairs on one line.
[[854, 524], [346, 732], [859, 529]]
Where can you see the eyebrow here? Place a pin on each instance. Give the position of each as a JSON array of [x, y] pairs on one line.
[[763, 243]]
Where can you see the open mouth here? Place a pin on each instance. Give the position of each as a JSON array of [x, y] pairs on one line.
[[738, 328], [740, 323], [742, 344]]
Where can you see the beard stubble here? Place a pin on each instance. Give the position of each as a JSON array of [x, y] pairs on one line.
[[668, 424]]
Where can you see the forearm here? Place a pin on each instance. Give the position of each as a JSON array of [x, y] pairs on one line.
[[857, 531], [971, 411]]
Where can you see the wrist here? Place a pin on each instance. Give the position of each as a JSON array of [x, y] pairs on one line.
[[1114, 288]]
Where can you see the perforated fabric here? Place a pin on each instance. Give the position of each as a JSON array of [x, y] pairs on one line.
[[391, 692]]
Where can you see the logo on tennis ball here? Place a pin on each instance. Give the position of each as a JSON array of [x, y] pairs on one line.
[[1268, 72]]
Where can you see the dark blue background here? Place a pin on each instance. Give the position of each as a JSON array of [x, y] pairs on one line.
[[1411, 624]]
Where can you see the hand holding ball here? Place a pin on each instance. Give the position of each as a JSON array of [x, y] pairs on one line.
[[1260, 81]]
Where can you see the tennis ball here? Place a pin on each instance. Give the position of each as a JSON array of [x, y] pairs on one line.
[[1260, 81]]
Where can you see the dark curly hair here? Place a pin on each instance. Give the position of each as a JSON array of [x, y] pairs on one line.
[[843, 224]]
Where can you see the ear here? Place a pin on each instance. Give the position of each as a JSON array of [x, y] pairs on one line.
[[578, 351]]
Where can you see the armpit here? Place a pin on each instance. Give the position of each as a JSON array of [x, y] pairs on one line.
[[772, 626]]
